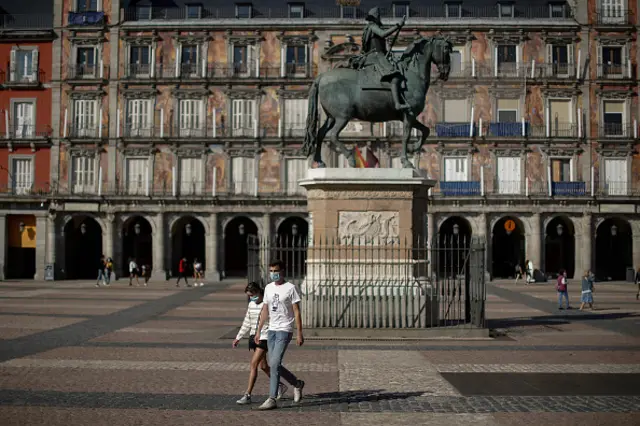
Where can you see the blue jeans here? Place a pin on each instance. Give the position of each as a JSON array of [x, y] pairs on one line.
[[107, 276], [277, 342], [566, 296], [101, 276]]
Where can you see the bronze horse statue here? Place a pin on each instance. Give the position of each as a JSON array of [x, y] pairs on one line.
[[347, 94]]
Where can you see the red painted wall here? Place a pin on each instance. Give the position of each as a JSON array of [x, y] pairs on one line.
[[41, 166]]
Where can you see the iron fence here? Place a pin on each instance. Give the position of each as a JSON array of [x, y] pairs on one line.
[[380, 283]]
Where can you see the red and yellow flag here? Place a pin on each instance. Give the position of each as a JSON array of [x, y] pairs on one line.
[[371, 161]]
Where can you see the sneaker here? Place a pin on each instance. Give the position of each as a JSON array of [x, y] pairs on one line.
[[297, 391], [246, 399], [282, 389], [269, 404], [97, 285]]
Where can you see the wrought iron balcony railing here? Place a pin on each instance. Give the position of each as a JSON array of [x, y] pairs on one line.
[[27, 132], [85, 18], [34, 21], [219, 71], [20, 77], [613, 15], [87, 72], [617, 130], [615, 71]]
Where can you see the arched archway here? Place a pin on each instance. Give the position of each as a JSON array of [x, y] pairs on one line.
[[137, 242], [83, 247], [292, 246], [507, 247], [614, 249], [235, 245], [559, 247], [187, 240], [454, 239]]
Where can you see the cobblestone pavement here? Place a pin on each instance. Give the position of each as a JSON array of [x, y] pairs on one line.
[[73, 354]]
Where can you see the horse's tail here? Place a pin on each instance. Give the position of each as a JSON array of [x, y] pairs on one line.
[[311, 135]]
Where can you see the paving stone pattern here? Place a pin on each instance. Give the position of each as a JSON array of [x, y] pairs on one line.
[[71, 354]]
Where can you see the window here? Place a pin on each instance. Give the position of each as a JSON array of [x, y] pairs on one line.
[[612, 60], [143, 13], [85, 118], [560, 59], [455, 169], [613, 118], [615, 176], [139, 117], [193, 11], [23, 119], [296, 169], [243, 11], [83, 174], [243, 171], [189, 60], [87, 6], [400, 9], [137, 174], [296, 10], [507, 59], [243, 57], [295, 117], [243, 113], [557, 10], [24, 65], [561, 170], [191, 182], [296, 59], [456, 111], [505, 10], [192, 118], [86, 59], [456, 63], [139, 60], [508, 175], [21, 175], [453, 10], [507, 110], [348, 12], [561, 118], [612, 11]]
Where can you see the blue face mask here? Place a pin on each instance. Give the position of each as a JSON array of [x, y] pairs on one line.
[[275, 276], [254, 298]]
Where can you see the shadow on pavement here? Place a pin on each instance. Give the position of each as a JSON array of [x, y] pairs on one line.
[[551, 320], [354, 397]]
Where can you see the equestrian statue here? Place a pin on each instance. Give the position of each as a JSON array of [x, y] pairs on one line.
[[375, 87]]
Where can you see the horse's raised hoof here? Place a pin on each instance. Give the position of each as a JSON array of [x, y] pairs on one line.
[[407, 164], [320, 165]]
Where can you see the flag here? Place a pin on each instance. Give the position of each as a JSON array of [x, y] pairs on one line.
[[372, 160], [360, 161]]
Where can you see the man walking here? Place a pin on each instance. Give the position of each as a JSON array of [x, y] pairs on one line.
[[182, 271], [282, 306]]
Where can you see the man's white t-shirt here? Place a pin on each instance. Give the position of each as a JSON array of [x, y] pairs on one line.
[[280, 300], [132, 266]]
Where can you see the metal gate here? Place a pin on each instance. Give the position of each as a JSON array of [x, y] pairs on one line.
[[361, 284]]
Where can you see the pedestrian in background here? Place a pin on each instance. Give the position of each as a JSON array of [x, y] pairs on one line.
[[198, 274], [182, 271], [133, 271], [101, 271], [587, 290], [561, 287], [518, 273], [256, 294], [107, 270], [638, 283], [146, 273]]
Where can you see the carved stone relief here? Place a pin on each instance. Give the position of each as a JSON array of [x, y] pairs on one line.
[[375, 228]]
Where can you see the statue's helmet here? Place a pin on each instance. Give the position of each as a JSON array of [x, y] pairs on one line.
[[373, 15]]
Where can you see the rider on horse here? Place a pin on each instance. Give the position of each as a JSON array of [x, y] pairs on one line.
[[374, 52]]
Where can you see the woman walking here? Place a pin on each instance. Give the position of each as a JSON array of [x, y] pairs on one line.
[[249, 325], [638, 283], [561, 287], [587, 290]]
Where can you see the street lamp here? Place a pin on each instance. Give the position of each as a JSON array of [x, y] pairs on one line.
[[456, 229], [187, 229], [136, 228], [21, 227], [83, 229], [241, 229], [294, 229], [559, 229], [614, 230]]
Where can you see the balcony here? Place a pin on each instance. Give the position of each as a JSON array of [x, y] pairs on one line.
[[568, 189], [27, 132], [455, 130], [457, 189], [510, 70], [618, 189], [611, 71], [617, 131], [87, 132], [25, 189], [86, 18], [555, 129], [26, 22], [613, 16], [87, 72], [133, 131], [17, 79], [509, 130], [555, 70], [218, 71]]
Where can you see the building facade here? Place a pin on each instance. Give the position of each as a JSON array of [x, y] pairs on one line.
[[176, 130], [25, 138]]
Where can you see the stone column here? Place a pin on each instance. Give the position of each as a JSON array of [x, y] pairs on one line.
[[212, 270], [265, 238], [482, 232], [107, 240], [41, 246], [431, 234], [51, 240], [158, 272], [586, 243], [534, 242], [636, 251], [3, 244]]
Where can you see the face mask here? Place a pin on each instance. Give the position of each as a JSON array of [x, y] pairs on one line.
[[254, 298], [275, 276]]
